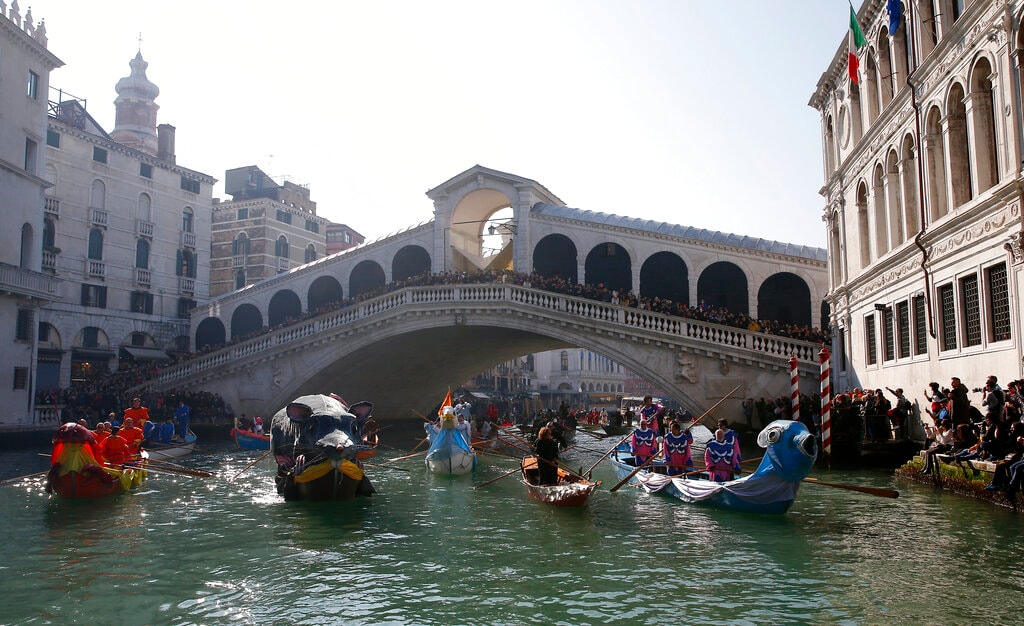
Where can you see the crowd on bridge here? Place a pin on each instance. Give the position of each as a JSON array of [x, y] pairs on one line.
[[555, 284]]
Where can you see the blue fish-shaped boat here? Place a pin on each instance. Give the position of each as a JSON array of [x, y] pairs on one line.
[[790, 453], [449, 451]]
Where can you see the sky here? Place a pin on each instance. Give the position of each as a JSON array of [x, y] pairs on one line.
[[683, 111]]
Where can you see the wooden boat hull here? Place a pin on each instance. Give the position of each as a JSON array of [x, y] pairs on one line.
[[245, 440], [174, 451], [457, 463], [330, 480], [567, 492], [89, 485]]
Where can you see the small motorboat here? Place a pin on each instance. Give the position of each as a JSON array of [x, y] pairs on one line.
[[571, 489]]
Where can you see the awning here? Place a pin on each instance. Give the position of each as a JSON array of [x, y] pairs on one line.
[[91, 354], [138, 353], [477, 394]]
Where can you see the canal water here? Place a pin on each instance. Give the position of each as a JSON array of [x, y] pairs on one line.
[[436, 550]]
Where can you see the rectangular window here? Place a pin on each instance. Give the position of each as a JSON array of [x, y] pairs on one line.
[[312, 226], [44, 332], [920, 326], [190, 185], [53, 139], [94, 295], [998, 302], [184, 306], [23, 325], [145, 170], [142, 302], [33, 85], [970, 301], [99, 154], [90, 337], [887, 330], [284, 217], [31, 149], [903, 329], [840, 338], [871, 341], [20, 378], [243, 214], [948, 321]]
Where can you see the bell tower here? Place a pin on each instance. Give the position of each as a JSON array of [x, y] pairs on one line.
[[135, 119]]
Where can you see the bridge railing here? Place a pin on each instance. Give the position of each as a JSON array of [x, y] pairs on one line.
[[768, 345]]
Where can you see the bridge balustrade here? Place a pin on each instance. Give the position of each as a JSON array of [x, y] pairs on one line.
[[709, 332]]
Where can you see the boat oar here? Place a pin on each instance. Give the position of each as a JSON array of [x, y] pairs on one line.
[[265, 455], [610, 450], [394, 467], [634, 473], [874, 491], [518, 469], [713, 407], [408, 456], [163, 470], [17, 478]]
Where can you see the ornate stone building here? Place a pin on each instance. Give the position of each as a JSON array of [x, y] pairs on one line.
[[25, 66], [265, 229], [922, 165], [127, 229]]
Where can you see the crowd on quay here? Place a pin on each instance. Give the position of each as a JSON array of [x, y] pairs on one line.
[[94, 399]]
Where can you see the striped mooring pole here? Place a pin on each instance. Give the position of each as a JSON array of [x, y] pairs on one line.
[[826, 405], [794, 382]]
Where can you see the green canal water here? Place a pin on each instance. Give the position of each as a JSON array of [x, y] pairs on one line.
[[433, 550]]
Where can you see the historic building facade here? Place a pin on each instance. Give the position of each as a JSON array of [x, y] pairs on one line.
[[127, 229], [25, 65], [265, 229], [922, 165]]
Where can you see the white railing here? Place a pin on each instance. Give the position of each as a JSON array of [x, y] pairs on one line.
[[238, 260], [98, 217], [186, 284], [48, 415], [581, 310], [49, 260], [188, 240], [21, 281], [143, 277], [144, 228], [95, 269], [52, 207]]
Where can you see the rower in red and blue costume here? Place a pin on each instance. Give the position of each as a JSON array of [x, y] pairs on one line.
[[654, 412], [676, 450], [731, 436], [642, 444], [720, 458]]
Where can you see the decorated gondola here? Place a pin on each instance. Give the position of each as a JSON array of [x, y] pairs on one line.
[[78, 471], [570, 490], [317, 441]]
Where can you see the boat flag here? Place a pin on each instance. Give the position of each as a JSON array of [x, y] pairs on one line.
[[895, 15], [857, 42], [446, 402]]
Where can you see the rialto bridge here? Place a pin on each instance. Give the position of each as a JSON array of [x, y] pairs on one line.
[[313, 329]]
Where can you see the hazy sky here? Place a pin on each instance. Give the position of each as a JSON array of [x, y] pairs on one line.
[[685, 111]]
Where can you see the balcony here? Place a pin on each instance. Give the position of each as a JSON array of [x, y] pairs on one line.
[[143, 278], [50, 261], [186, 285], [238, 260], [23, 282], [52, 207], [188, 240], [98, 217], [144, 229], [95, 269]]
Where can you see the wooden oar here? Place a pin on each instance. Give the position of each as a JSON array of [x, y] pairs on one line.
[[518, 469], [713, 407], [874, 491], [634, 473], [241, 471], [612, 449], [394, 467], [163, 470], [17, 478], [408, 456]]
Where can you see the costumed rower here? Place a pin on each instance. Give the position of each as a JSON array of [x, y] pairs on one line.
[[655, 413], [732, 437], [642, 442], [676, 449], [138, 413], [720, 458], [547, 453], [132, 434], [115, 450]]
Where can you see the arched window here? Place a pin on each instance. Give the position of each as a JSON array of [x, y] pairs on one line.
[[27, 247], [187, 220], [49, 234], [96, 244], [935, 165], [983, 118], [830, 146], [878, 212], [564, 361], [98, 195], [281, 247], [909, 184], [186, 263], [310, 253], [959, 147], [144, 211], [240, 245], [894, 200], [142, 254], [886, 86], [863, 225]]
